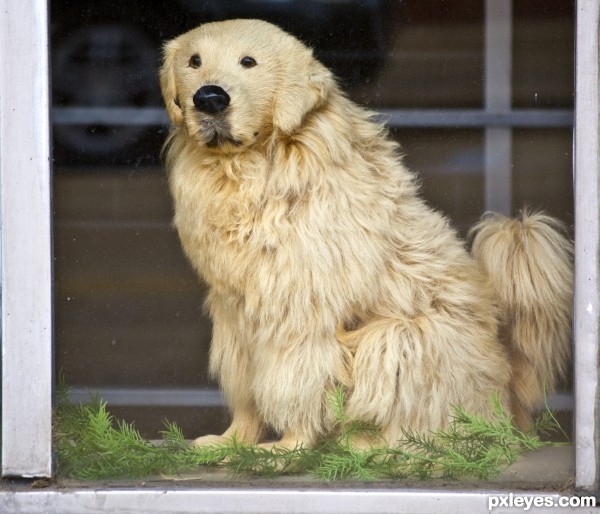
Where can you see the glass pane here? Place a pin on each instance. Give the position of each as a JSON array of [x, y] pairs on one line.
[[130, 321], [543, 58]]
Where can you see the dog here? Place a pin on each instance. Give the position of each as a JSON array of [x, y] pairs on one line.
[[325, 267]]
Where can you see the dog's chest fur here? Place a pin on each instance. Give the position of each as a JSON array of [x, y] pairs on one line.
[[225, 220]]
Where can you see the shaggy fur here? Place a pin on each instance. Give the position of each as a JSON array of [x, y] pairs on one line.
[[326, 268]]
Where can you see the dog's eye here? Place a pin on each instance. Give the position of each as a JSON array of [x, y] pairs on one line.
[[195, 61], [248, 62]]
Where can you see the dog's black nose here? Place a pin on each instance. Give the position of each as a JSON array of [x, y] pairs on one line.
[[211, 99]]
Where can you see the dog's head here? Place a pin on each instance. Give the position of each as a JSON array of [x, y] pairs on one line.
[[232, 82]]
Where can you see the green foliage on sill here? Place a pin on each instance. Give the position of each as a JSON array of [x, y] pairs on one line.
[[93, 445]]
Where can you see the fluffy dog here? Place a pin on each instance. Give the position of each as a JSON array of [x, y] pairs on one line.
[[327, 269]]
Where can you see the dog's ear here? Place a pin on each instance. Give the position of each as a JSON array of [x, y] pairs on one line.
[[168, 84], [301, 93]]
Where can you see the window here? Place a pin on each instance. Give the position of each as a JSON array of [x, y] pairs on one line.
[[479, 125]]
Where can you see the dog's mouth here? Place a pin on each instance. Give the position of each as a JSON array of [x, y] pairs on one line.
[[215, 132]]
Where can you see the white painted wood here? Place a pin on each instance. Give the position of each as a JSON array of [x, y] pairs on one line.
[[299, 501], [498, 94], [587, 304], [26, 239]]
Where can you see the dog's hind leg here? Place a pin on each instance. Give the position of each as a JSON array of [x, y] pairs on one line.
[[408, 374]]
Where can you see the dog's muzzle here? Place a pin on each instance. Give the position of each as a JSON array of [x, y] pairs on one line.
[[211, 99]]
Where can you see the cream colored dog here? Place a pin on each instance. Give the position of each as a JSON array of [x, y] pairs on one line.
[[325, 266]]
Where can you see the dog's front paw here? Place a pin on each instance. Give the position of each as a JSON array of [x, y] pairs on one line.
[[210, 440], [289, 441]]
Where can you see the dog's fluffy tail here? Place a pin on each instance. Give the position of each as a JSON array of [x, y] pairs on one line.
[[529, 263]]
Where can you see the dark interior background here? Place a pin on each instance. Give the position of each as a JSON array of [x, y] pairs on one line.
[[128, 306]]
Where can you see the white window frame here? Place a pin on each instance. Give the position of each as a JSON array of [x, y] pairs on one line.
[[26, 239], [27, 362], [587, 214]]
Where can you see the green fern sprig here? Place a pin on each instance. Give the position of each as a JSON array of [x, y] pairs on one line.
[[93, 445]]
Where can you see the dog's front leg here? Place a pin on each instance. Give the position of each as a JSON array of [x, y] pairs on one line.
[[298, 374], [231, 364], [245, 427]]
